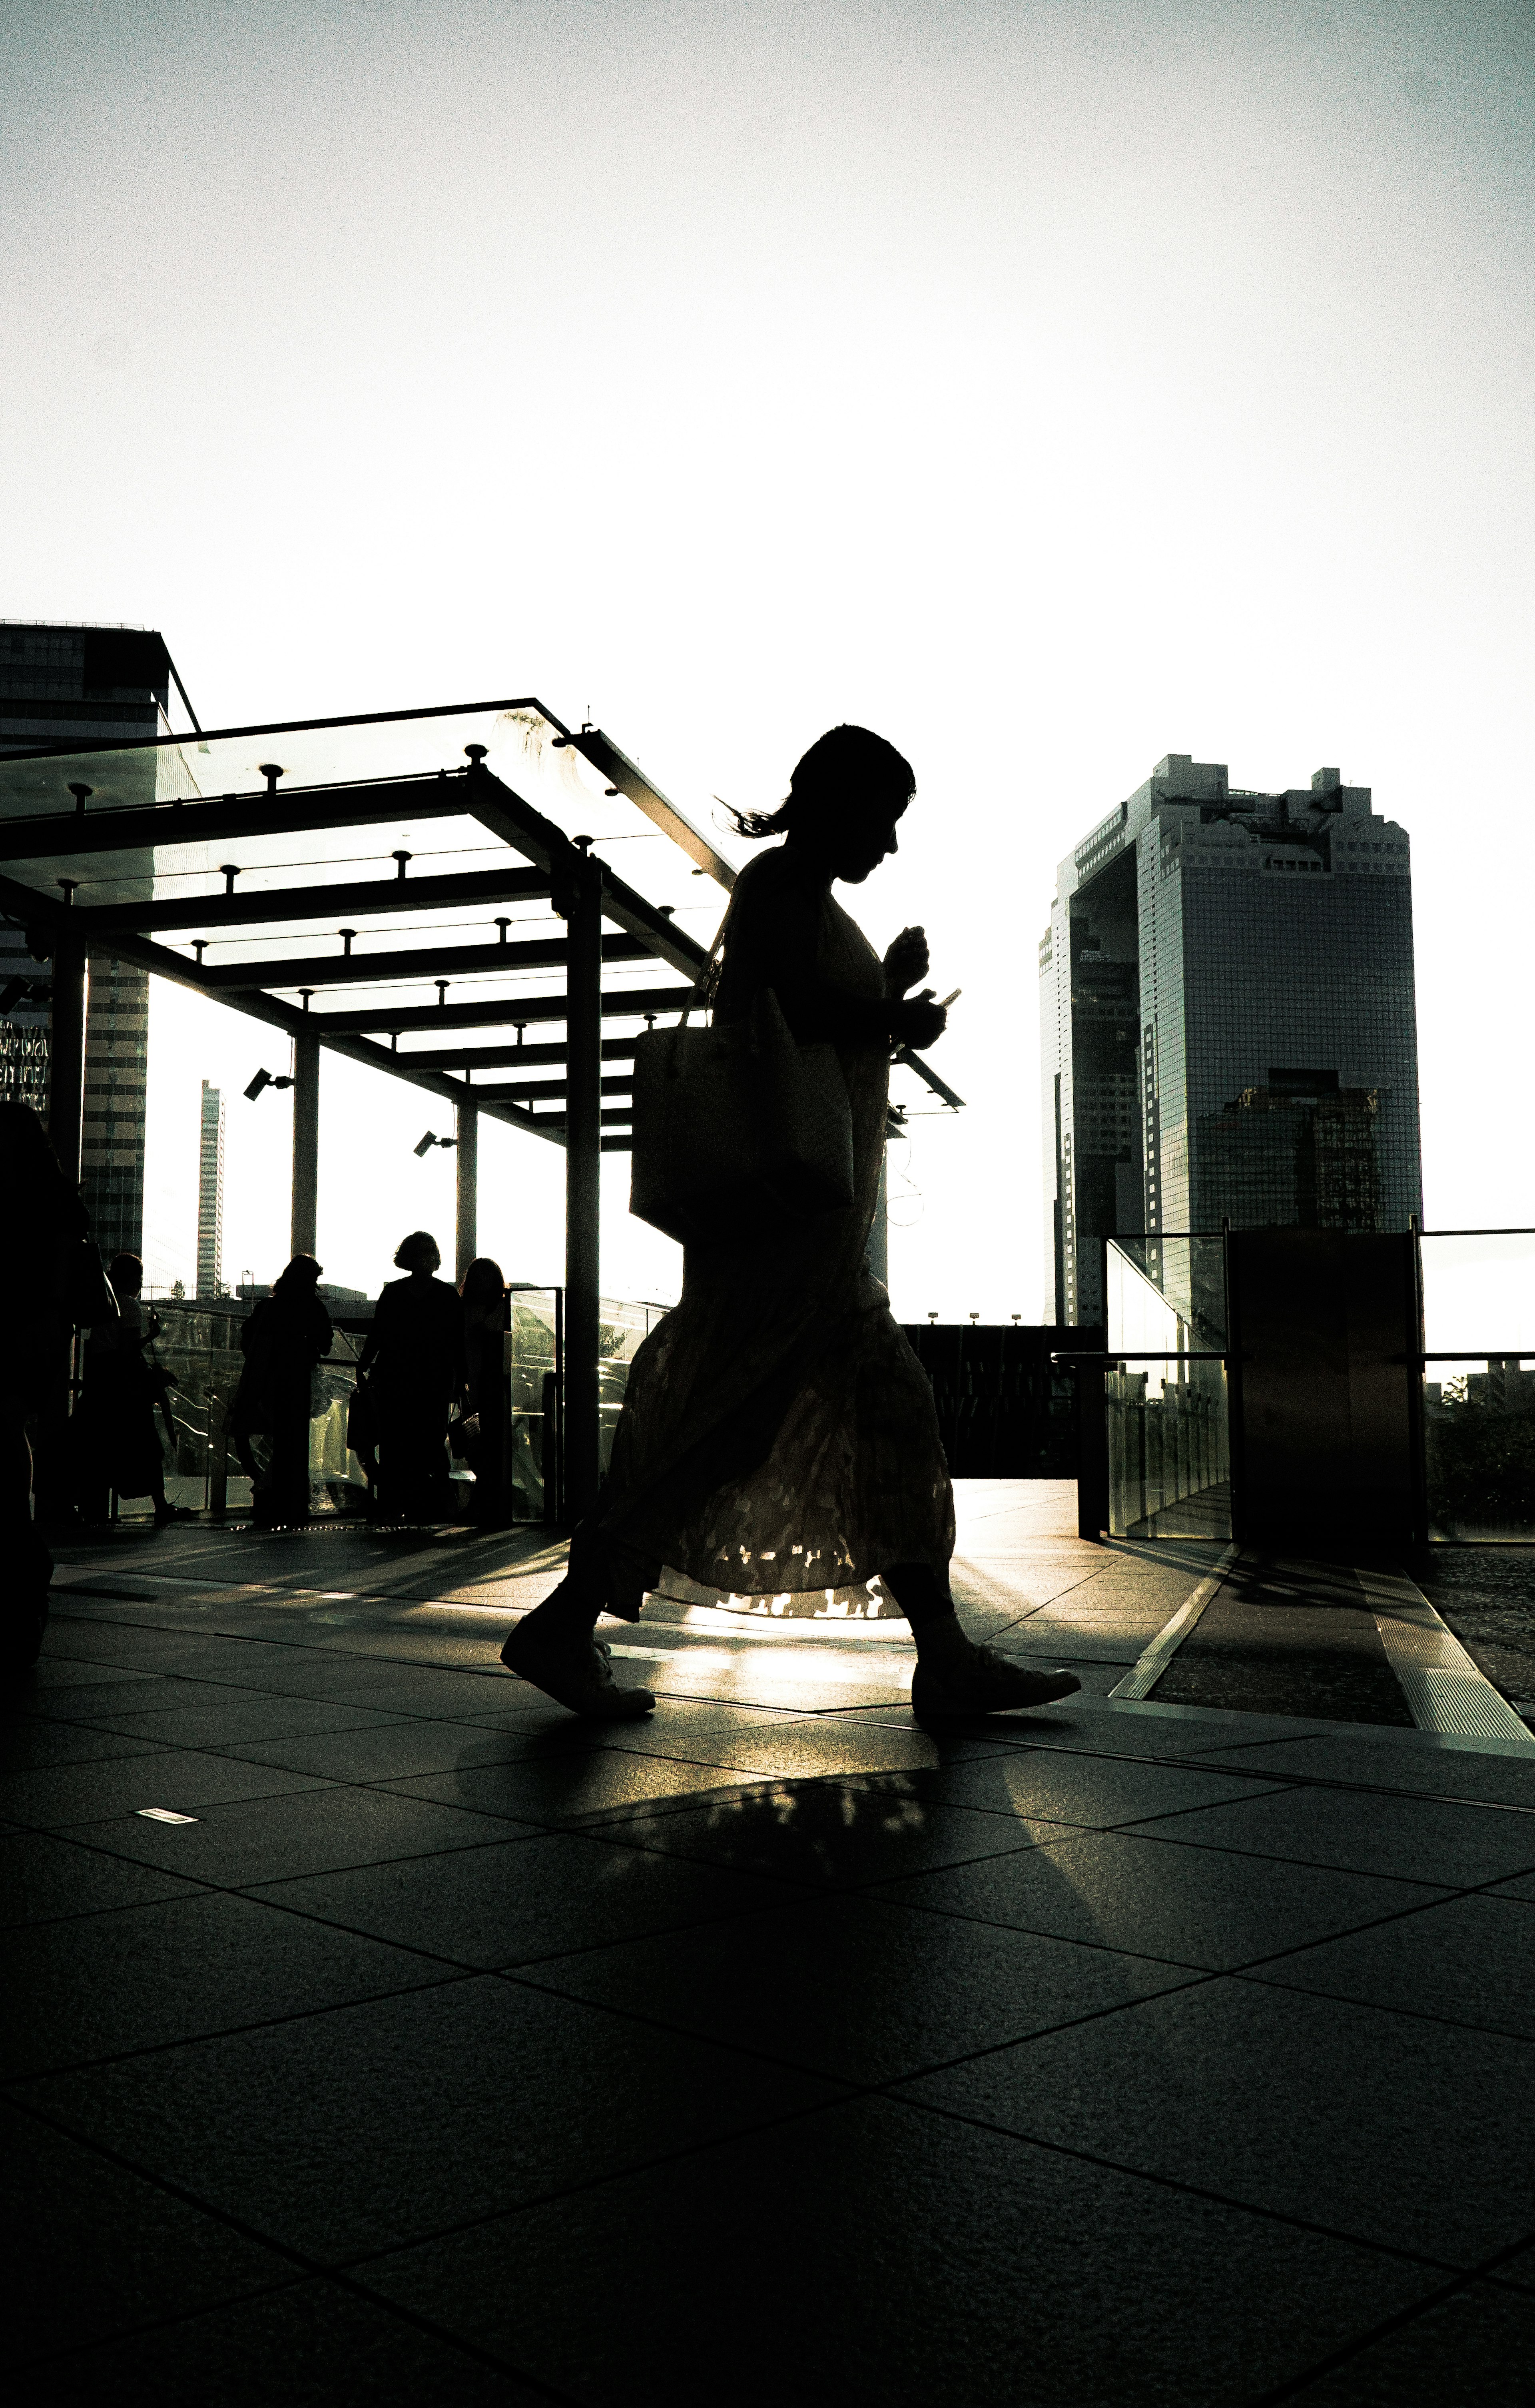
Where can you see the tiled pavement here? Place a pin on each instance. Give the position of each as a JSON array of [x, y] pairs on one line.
[[769, 2049]]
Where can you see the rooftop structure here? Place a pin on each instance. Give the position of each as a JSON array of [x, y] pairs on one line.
[[1227, 1021]]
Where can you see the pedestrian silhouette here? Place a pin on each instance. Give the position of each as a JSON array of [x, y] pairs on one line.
[[482, 1433], [283, 1338], [125, 1404], [414, 1367], [777, 1432]]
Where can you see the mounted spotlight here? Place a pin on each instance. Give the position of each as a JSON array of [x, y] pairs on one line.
[[264, 1079], [428, 1141]]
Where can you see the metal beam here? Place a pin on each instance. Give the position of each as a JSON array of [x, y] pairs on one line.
[[358, 898], [145, 954], [618, 1003], [627, 778], [502, 811], [544, 1091], [915, 1062], [423, 962], [283, 813], [512, 1058]]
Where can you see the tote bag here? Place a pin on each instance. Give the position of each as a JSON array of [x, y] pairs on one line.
[[737, 1129]]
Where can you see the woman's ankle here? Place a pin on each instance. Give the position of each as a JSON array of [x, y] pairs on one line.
[[570, 1608]]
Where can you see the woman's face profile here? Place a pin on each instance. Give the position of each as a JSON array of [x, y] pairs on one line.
[[866, 837]]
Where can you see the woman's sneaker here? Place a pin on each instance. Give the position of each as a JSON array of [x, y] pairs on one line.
[[573, 1669], [983, 1682]]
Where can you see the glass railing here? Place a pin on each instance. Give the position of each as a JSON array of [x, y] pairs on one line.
[[1479, 1383], [1165, 1389], [198, 1347]]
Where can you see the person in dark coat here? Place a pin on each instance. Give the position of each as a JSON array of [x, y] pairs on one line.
[[483, 1431], [414, 1363], [124, 1395], [287, 1335]]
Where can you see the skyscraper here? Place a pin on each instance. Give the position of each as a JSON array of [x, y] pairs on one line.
[[211, 1195], [85, 686], [1227, 1021]]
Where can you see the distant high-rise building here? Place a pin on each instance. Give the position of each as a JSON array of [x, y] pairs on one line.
[[211, 1195], [1228, 1021], [85, 686]]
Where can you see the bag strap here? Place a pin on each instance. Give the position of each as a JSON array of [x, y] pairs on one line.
[[702, 997]]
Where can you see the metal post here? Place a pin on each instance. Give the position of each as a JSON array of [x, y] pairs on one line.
[[306, 1143], [66, 1048], [466, 1134], [583, 1188]]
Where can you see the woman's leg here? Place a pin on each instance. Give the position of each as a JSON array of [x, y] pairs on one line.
[[955, 1676]]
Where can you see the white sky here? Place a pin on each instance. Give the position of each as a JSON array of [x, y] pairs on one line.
[[1050, 387]]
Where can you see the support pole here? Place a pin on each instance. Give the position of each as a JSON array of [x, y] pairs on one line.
[[583, 1188], [66, 1053], [466, 1131], [306, 1143]]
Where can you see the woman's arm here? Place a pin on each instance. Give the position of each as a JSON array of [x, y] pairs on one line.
[[774, 940]]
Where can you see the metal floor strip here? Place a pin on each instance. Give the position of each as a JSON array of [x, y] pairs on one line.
[[1444, 1689], [1143, 1676]]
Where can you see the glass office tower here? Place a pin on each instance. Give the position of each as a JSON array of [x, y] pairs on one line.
[[1227, 1021], [84, 685]]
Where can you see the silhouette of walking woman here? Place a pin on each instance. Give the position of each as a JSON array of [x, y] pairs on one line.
[[778, 1433], [413, 1362]]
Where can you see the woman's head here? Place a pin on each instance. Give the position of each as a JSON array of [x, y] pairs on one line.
[[482, 1283], [126, 1274], [419, 1252], [301, 1277], [844, 799]]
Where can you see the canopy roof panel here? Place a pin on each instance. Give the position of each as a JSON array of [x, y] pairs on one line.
[[394, 885]]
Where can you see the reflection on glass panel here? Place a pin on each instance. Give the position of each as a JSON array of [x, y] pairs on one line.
[[1479, 1448], [198, 1347], [1478, 1290], [1173, 1285], [533, 1372], [1169, 1465]]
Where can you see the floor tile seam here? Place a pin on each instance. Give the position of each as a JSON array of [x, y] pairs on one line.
[[1381, 2007], [852, 2083], [1279, 1778], [11, 2084], [122, 2335], [819, 1884], [623, 2011], [313, 1781], [658, 1810], [1164, 1814], [460, 1965], [211, 1881], [896, 2092], [1404, 2317], [1182, 1964], [91, 1914], [1315, 1864], [355, 2263], [306, 2266]]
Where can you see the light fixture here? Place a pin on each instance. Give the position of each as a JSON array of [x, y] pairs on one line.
[[428, 1141], [264, 1079]]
